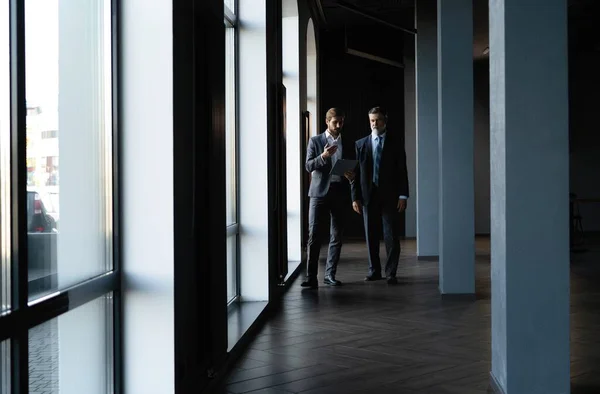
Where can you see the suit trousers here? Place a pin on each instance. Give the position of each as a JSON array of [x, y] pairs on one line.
[[332, 204], [380, 213]]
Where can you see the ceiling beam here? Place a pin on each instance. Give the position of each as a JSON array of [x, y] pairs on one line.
[[350, 7], [374, 58]]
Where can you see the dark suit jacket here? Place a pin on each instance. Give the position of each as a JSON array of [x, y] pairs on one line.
[[393, 176], [320, 168]]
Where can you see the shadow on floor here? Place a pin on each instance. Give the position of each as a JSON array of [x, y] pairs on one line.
[[374, 338]]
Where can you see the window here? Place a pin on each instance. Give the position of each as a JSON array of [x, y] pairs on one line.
[[4, 367], [230, 129], [5, 206], [290, 53], [311, 77], [71, 353], [231, 149], [56, 198], [68, 241], [49, 134]]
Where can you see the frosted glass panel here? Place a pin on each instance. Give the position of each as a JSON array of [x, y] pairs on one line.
[[231, 180], [5, 205], [232, 267], [69, 142], [230, 127], [72, 354], [5, 367]]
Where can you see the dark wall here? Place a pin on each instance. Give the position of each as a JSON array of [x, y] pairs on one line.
[[198, 138], [584, 85], [356, 85], [481, 143]]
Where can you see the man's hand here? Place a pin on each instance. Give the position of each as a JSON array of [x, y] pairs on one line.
[[350, 175], [401, 205], [329, 151], [357, 206]]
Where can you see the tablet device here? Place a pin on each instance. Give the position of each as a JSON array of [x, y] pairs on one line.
[[341, 166]]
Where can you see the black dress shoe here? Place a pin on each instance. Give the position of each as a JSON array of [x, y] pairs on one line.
[[310, 283], [373, 277], [391, 280], [331, 281]]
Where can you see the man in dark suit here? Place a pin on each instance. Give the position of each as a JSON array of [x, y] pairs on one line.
[[328, 194], [380, 192]]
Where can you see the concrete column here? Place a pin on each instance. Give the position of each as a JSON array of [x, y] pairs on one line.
[[529, 196], [455, 121], [148, 154], [427, 203]]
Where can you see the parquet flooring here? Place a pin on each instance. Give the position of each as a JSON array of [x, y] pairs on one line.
[[377, 339]]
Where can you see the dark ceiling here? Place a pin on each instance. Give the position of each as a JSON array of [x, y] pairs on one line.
[[584, 28], [399, 12]]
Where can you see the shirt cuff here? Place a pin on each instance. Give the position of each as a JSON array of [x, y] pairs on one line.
[[403, 198]]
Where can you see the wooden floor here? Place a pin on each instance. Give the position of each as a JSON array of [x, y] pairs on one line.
[[377, 339]]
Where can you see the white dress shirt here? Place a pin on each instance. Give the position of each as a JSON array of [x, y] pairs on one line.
[[338, 153], [374, 136]]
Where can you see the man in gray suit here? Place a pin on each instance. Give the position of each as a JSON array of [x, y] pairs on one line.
[[329, 194]]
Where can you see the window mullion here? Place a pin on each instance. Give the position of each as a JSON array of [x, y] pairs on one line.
[[230, 17]]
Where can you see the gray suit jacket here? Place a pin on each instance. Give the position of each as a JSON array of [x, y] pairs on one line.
[[320, 168]]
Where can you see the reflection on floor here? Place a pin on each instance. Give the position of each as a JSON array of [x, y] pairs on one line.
[[377, 339]]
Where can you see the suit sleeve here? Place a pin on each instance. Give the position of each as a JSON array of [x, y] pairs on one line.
[[402, 170], [314, 161], [355, 189]]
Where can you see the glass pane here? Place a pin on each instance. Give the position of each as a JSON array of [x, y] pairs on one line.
[[230, 127], [72, 354], [231, 267], [4, 157], [69, 193], [5, 367]]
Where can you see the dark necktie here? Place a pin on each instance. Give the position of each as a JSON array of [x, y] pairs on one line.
[[377, 159]]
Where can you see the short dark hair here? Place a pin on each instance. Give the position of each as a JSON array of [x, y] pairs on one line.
[[378, 111], [334, 112]]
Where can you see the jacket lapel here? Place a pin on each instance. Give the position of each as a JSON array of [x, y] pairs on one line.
[[369, 156], [324, 143], [386, 145], [324, 140], [390, 147]]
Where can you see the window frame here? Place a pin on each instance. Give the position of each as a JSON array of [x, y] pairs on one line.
[[233, 230], [230, 16], [23, 315]]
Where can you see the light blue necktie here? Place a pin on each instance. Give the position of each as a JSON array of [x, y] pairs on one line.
[[377, 159]]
